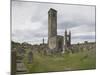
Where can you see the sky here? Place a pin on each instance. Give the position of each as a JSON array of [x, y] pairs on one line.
[[30, 21]]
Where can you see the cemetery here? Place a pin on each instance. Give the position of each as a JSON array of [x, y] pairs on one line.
[[58, 54], [80, 57]]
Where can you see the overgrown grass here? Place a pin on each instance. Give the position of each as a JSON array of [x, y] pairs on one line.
[[64, 62]]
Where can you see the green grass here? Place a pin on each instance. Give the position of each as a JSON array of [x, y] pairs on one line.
[[65, 62]]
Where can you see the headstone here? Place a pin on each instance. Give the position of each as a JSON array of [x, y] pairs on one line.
[[21, 68], [30, 57]]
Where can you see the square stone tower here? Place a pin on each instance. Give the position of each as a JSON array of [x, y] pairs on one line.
[[52, 28], [52, 23]]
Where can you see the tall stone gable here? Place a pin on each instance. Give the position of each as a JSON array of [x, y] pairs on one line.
[[67, 39]]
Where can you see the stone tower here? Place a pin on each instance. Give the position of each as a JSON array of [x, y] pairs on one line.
[[52, 29], [52, 23], [55, 42]]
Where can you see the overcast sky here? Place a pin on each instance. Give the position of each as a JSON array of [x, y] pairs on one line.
[[30, 21]]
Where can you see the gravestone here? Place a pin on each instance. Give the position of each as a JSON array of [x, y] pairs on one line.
[[21, 68], [30, 57]]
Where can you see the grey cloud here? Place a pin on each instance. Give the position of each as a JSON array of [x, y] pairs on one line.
[[75, 22], [30, 20], [85, 37], [28, 35]]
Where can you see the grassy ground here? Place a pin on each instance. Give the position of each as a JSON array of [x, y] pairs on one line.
[[65, 62]]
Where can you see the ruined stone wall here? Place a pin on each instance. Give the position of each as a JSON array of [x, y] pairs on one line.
[[60, 43], [53, 42]]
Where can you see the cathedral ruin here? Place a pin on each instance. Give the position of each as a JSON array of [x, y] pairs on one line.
[[56, 43]]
